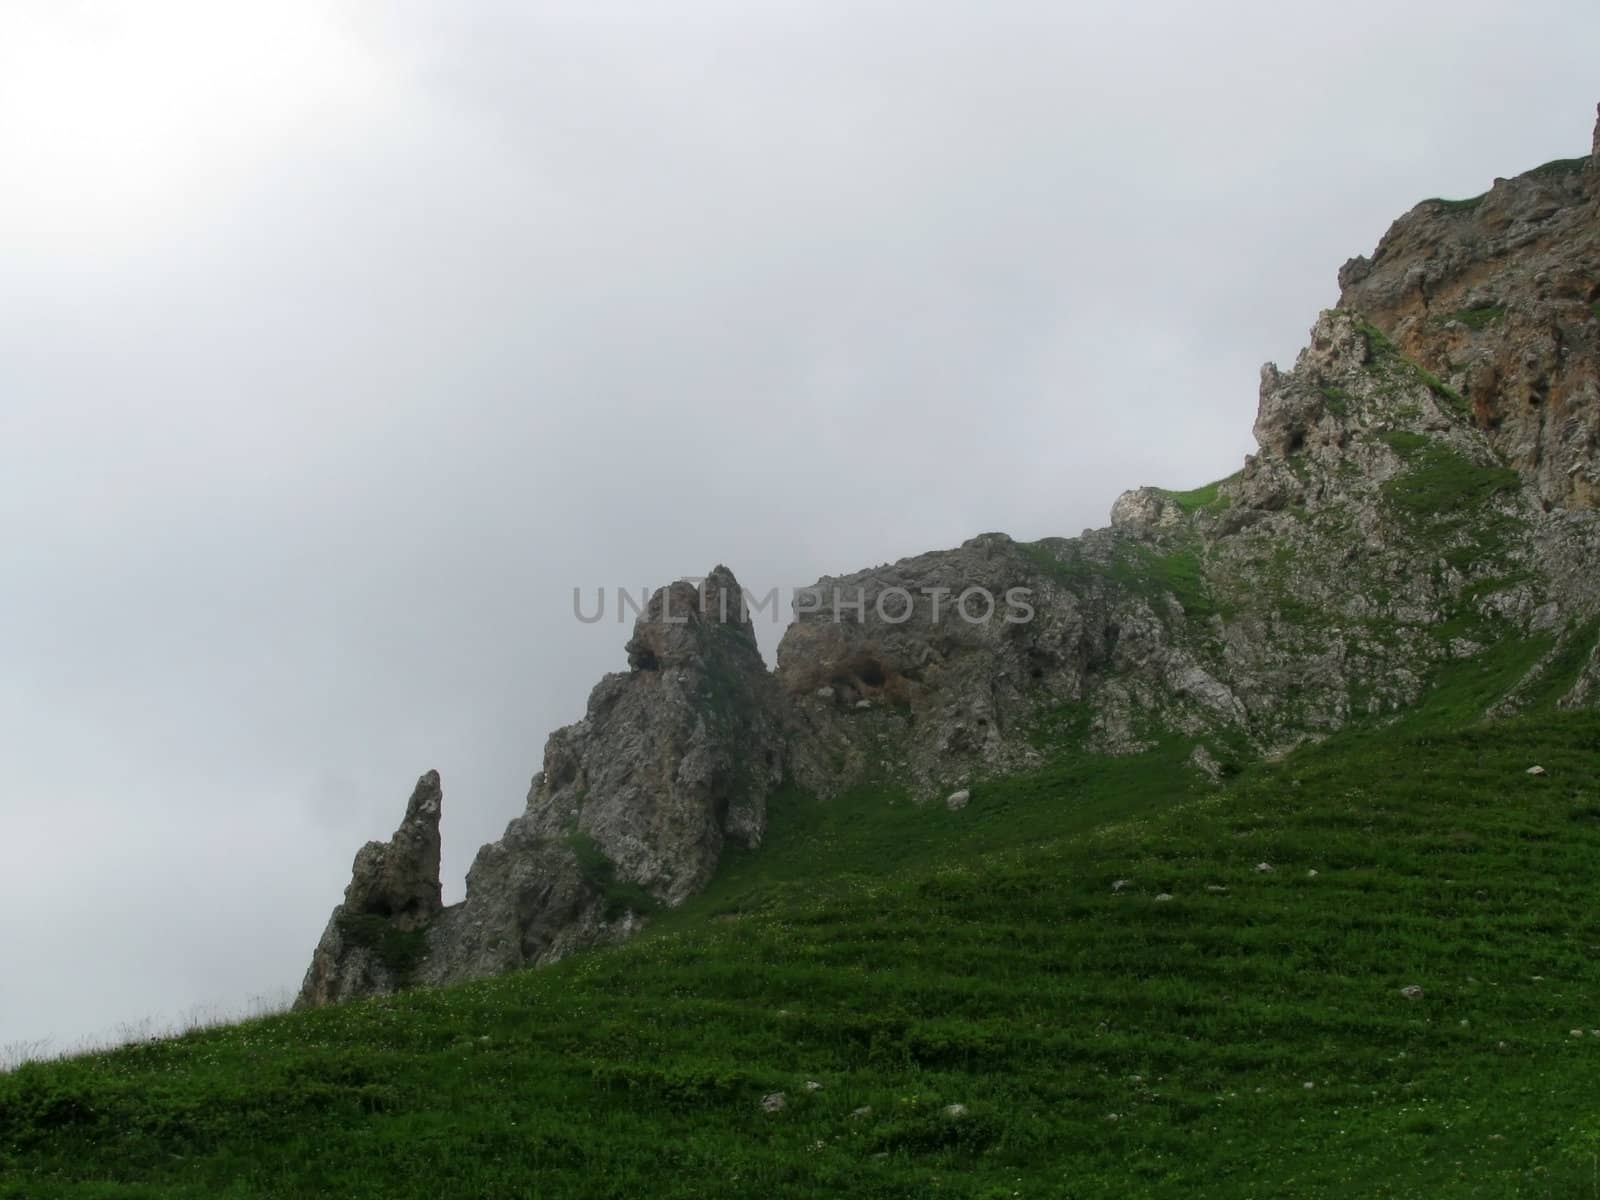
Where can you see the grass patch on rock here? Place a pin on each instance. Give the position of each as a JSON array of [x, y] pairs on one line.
[[1460, 206], [1441, 483], [1560, 167], [1206, 498], [600, 873], [1479, 318], [397, 949]]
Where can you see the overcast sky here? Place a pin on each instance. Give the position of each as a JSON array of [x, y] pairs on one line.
[[338, 343]]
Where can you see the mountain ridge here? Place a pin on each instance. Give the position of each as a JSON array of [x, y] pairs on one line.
[[1424, 494]]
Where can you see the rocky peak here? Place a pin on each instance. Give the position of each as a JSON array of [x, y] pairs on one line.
[[1498, 296], [1293, 409], [1594, 153], [399, 879], [1424, 497], [672, 628], [632, 809], [394, 891]]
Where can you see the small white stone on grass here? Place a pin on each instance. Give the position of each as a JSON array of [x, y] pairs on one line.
[[956, 801], [774, 1102], [1164, 896], [1411, 992], [1536, 771], [1263, 867], [955, 1111], [813, 1086]]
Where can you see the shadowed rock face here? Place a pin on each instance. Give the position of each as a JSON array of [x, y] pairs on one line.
[[1424, 492]]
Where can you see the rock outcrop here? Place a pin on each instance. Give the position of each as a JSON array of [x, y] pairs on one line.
[[672, 760], [1376, 537], [1499, 297], [394, 894], [1422, 508]]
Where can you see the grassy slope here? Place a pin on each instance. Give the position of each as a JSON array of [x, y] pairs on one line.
[[1105, 1044]]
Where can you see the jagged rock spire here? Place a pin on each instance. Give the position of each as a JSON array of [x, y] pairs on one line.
[[673, 758], [399, 879], [394, 893], [1594, 153], [671, 629]]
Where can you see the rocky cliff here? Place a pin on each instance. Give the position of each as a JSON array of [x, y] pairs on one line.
[[1497, 296], [672, 759], [1422, 508]]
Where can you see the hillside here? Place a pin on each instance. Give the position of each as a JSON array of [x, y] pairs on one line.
[[1258, 860], [1423, 493], [1248, 1036]]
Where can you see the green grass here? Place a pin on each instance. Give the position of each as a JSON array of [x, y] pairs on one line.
[[1207, 497], [1562, 166], [1556, 168], [1388, 362], [1337, 399], [1406, 443], [1063, 560], [1183, 575], [1105, 1043], [1564, 667], [1479, 318], [1441, 484], [398, 949], [600, 873], [1135, 567], [1460, 206]]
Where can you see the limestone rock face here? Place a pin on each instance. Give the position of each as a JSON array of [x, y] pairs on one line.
[[394, 890], [1497, 296], [672, 760], [1144, 510], [399, 879], [1306, 590], [1291, 408], [1594, 153]]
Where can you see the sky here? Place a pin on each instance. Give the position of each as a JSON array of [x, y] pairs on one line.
[[340, 342]]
